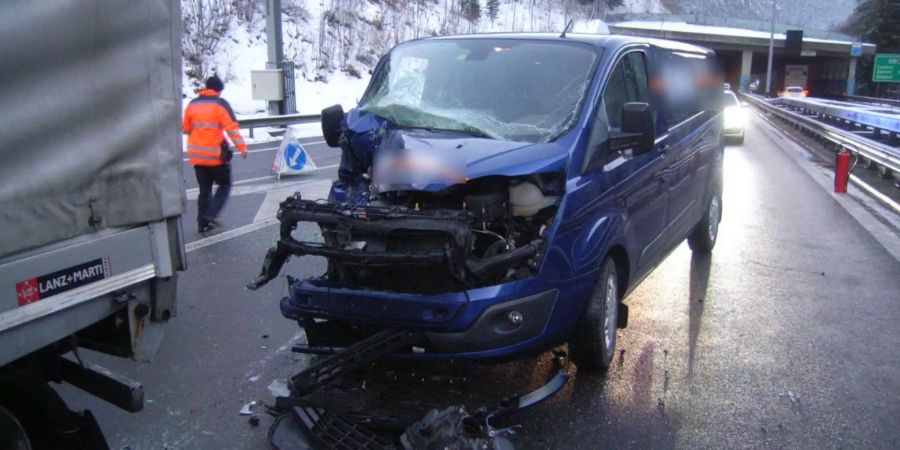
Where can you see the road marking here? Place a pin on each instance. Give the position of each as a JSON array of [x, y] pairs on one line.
[[269, 149], [265, 215], [192, 193], [314, 190], [883, 234], [874, 193], [225, 235], [255, 189]]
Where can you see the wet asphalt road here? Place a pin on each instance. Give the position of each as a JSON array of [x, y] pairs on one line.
[[787, 337]]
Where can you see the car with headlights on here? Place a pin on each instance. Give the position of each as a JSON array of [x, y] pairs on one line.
[[734, 117]]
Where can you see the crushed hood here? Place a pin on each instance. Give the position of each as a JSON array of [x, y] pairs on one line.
[[432, 160]]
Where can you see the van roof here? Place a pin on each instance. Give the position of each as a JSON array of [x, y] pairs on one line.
[[606, 41]]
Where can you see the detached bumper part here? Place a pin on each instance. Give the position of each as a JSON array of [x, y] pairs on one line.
[[302, 426]]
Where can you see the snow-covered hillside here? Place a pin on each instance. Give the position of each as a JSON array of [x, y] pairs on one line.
[[335, 43]]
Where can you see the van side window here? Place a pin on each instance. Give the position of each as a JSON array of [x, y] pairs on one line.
[[683, 93], [627, 83], [639, 71]]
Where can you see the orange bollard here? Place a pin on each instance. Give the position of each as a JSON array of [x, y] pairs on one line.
[[841, 171]]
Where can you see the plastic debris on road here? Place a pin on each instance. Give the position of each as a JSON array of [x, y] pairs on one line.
[[279, 388], [250, 408]]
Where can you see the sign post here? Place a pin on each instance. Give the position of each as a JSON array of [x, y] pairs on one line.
[[887, 68]]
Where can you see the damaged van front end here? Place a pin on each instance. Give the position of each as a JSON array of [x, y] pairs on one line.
[[461, 262], [452, 179]]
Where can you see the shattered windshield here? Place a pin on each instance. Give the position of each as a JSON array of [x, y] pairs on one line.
[[504, 89]]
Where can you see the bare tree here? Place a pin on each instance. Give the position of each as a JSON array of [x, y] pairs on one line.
[[246, 9], [205, 24]]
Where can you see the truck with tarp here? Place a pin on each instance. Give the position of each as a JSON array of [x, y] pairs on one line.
[[91, 195]]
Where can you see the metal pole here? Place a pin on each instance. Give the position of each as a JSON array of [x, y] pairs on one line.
[[771, 51], [275, 47]]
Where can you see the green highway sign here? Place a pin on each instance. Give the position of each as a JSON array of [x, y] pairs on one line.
[[887, 68]]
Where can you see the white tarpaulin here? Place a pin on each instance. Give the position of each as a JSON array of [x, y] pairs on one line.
[[90, 107], [292, 158]]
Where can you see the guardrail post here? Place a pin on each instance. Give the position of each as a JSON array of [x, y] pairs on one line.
[[868, 164]]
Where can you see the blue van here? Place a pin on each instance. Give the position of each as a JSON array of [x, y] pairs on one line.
[[503, 193]]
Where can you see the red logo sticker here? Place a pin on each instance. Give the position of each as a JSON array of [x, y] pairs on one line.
[[27, 291]]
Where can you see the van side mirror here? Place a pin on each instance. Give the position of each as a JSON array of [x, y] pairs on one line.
[[332, 117], [637, 127]]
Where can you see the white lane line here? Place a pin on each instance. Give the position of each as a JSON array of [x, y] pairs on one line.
[[883, 234], [193, 192], [314, 190], [874, 193], [225, 235], [269, 149], [265, 216]]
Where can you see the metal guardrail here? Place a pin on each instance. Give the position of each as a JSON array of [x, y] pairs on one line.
[[277, 121], [873, 100], [883, 155], [882, 118]]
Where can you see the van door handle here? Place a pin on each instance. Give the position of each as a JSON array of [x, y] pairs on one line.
[[663, 148]]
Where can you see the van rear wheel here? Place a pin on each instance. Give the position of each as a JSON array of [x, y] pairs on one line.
[[703, 238], [594, 342]]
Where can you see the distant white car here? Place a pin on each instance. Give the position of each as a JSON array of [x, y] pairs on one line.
[[735, 116], [794, 91]]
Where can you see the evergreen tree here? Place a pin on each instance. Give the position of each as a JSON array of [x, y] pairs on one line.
[[471, 10], [875, 22], [493, 8]]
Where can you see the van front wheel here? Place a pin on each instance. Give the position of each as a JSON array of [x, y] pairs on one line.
[[594, 342], [703, 238]]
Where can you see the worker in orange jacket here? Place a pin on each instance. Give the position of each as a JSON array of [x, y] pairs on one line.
[[205, 119]]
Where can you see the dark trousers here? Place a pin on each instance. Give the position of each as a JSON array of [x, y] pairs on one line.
[[208, 208]]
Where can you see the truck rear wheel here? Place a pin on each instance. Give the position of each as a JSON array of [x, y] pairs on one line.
[[594, 343], [14, 436], [35, 412]]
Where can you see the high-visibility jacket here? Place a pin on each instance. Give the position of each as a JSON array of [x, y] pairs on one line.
[[205, 118]]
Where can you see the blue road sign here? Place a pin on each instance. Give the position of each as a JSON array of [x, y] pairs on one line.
[[295, 156]]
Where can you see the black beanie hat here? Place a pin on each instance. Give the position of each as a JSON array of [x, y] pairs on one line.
[[215, 83]]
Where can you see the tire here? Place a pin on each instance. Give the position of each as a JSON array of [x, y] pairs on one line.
[[594, 343], [703, 238], [15, 436]]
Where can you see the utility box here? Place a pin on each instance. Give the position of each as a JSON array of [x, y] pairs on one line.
[[267, 84]]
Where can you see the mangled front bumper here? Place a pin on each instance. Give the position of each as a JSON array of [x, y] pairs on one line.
[[483, 319], [474, 319], [347, 230]]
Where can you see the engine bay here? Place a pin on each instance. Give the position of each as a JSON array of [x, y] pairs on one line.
[[485, 231]]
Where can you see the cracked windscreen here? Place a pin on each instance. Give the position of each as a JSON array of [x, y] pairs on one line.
[[513, 90]]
